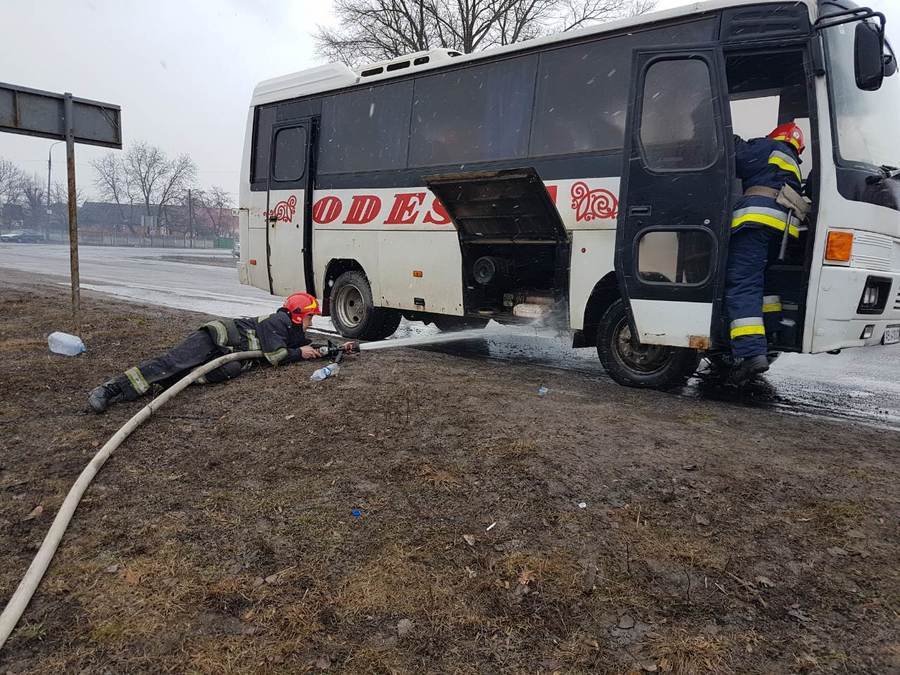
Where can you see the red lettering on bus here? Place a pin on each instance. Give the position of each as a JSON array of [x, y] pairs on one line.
[[327, 210], [363, 209], [438, 214], [405, 210]]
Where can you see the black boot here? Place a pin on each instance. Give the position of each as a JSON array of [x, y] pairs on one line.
[[105, 395], [748, 368]]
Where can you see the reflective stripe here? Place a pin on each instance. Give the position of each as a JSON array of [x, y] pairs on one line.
[[752, 325], [252, 341], [788, 139], [221, 336], [136, 378], [744, 331], [785, 162], [277, 356], [771, 303], [760, 214]]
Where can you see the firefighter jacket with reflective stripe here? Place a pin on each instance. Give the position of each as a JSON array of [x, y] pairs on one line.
[[275, 335], [762, 162]]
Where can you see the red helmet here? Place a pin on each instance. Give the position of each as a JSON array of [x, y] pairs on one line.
[[789, 133], [300, 305]]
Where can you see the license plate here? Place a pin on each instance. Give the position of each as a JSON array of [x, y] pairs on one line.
[[891, 335]]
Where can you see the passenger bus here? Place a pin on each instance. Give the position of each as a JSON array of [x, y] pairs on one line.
[[586, 178]]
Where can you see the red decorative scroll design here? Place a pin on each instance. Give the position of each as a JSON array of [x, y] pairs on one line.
[[596, 204], [284, 211]]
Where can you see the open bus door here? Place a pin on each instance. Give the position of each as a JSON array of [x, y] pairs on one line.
[[674, 217], [288, 213]]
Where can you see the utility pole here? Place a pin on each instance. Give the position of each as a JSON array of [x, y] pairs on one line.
[[49, 169], [191, 216]]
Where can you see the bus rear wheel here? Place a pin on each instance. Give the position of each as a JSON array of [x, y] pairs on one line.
[[633, 364], [354, 313]]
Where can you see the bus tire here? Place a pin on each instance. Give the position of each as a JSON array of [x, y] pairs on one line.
[[451, 323], [635, 365], [354, 313]]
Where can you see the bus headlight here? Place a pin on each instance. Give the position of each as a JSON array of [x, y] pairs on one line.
[[874, 296]]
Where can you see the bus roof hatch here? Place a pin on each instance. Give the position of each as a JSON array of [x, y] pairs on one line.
[[510, 206]]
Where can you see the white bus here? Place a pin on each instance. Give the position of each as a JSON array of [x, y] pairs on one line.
[[588, 176]]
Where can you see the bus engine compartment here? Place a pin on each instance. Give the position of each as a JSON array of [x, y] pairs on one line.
[[515, 250]]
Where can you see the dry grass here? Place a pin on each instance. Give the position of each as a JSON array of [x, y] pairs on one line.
[[680, 651], [394, 581]]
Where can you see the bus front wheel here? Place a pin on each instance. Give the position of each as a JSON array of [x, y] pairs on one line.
[[354, 313], [633, 364]]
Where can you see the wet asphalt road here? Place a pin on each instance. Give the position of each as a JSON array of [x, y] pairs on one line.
[[862, 385]]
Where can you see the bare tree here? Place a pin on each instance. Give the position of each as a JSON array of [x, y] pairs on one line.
[[375, 30], [215, 205], [35, 195], [10, 186], [145, 177], [113, 186]]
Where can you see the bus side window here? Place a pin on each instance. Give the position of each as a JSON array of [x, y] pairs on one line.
[[366, 130], [473, 114], [262, 139]]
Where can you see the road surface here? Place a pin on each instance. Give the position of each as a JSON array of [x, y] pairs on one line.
[[860, 384]]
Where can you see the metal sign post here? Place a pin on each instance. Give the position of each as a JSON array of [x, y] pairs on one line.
[[63, 118], [73, 212]]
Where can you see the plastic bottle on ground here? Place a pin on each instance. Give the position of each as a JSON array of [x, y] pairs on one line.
[[63, 343], [324, 372]]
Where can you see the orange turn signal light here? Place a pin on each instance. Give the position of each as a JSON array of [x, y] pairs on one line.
[[839, 246], [418, 274]]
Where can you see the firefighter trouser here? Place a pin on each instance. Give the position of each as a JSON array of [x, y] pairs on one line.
[[748, 255], [198, 348]]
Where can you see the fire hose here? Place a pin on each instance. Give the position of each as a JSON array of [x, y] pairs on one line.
[[24, 592]]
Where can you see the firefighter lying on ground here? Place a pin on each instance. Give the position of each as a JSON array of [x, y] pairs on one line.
[[280, 336], [765, 166]]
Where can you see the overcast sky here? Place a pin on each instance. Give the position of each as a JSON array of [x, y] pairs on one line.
[[182, 70]]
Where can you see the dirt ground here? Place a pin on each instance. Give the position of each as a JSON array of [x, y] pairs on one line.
[[427, 512]]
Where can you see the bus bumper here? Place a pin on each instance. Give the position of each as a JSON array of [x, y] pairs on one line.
[[838, 323]]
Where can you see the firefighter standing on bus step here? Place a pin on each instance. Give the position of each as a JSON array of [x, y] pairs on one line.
[[765, 166], [280, 336]]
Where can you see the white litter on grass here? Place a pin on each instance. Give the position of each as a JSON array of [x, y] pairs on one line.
[[582, 505], [490, 527]]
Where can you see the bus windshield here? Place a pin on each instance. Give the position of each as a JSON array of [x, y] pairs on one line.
[[866, 121]]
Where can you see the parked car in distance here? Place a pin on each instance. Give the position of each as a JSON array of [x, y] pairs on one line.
[[22, 237]]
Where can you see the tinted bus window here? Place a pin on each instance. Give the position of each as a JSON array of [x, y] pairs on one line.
[[583, 89], [262, 139], [366, 130], [678, 129], [290, 154], [582, 98], [474, 114]]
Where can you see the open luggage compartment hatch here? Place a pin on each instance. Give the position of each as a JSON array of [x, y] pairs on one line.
[[515, 249]]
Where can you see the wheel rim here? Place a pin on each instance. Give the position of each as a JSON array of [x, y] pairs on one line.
[[644, 359], [349, 306]]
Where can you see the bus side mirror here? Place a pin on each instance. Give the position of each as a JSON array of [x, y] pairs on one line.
[[890, 65], [869, 56]]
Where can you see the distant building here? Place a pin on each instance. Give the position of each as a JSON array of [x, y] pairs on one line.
[[104, 217]]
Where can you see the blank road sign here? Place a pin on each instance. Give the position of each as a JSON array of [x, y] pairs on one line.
[[41, 113]]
